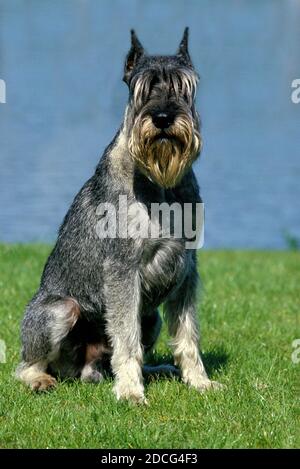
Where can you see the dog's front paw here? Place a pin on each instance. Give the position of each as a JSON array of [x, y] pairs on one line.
[[196, 380], [207, 385], [129, 391]]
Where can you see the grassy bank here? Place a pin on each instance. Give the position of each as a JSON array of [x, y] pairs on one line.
[[248, 320]]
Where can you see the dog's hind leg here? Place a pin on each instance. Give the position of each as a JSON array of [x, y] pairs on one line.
[[46, 323]]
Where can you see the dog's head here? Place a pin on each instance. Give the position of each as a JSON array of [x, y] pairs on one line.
[[161, 120]]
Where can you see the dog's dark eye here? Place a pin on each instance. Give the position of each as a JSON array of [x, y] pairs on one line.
[[154, 81], [186, 98], [183, 93]]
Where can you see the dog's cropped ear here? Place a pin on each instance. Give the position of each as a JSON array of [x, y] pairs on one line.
[[133, 56], [183, 50]]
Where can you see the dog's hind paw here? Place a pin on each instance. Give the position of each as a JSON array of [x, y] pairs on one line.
[[43, 383]]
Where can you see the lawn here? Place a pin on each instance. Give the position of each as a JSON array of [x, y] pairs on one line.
[[249, 310]]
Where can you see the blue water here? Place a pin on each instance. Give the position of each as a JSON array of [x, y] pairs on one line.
[[62, 63]]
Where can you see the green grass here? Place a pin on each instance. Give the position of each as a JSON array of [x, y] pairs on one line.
[[248, 320]]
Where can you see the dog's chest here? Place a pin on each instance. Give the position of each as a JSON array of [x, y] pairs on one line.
[[163, 266], [164, 261]]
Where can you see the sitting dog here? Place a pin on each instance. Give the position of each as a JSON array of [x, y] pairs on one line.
[[99, 295]]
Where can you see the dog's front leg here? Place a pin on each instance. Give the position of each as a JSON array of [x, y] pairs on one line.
[[181, 315], [124, 330]]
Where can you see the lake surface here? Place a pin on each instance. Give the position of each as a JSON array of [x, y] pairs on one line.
[[62, 63]]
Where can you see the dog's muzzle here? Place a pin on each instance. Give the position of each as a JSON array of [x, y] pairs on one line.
[[163, 149]]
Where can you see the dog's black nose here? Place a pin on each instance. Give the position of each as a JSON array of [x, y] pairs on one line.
[[162, 120]]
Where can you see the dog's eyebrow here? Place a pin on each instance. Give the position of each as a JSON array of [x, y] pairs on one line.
[[184, 82], [141, 85]]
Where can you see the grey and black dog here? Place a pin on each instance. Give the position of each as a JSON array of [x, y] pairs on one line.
[[98, 298]]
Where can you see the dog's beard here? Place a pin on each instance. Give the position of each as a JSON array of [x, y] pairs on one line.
[[165, 156]]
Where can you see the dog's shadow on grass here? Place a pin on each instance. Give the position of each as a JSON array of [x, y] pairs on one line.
[[162, 366], [215, 360]]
